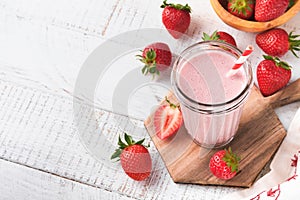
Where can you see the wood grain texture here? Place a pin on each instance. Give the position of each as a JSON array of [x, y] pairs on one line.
[[259, 135], [284, 97], [51, 39], [35, 184], [46, 139]]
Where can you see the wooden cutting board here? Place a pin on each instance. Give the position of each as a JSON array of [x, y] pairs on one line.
[[259, 135]]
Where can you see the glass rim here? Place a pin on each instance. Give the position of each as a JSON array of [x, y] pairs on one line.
[[239, 98]]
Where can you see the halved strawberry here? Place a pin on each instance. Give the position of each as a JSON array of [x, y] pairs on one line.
[[167, 120]]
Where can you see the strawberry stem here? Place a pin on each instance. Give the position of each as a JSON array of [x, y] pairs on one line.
[[150, 62], [214, 36], [278, 62], [151, 55], [172, 105], [185, 7], [240, 6], [231, 159]]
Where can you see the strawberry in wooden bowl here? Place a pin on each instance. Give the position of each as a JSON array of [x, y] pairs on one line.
[[267, 14]]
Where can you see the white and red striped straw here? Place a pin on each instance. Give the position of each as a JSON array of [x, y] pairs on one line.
[[241, 60]]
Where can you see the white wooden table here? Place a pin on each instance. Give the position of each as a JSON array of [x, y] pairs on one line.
[[43, 44]]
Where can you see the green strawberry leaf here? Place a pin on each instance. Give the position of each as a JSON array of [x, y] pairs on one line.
[[150, 55], [145, 70], [185, 7], [294, 43], [128, 139], [267, 57], [278, 62], [284, 65], [291, 3], [152, 69], [121, 144], [213, 36], [116, 154], [231, 159], [140, 142]]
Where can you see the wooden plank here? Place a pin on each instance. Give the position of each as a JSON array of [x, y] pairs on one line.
[[37, 130], [60, 42], [34, 184]]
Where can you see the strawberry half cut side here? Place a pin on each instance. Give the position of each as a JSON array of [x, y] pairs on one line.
[[167, 120]]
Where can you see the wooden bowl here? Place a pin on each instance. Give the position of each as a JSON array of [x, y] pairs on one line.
[[252, 26]]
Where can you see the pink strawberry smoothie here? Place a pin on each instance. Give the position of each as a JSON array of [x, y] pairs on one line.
[[203, 78]]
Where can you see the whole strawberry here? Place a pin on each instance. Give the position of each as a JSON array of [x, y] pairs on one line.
[[266, 10], [224, 164], [176, 18], [277, 42], [243, 9], [272, 75], [135, 158], [220, 36], [156, 57], [167, 120]]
